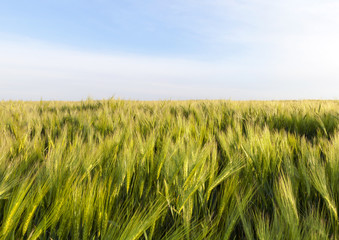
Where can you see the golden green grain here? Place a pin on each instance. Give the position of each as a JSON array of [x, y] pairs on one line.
[[116, 169]]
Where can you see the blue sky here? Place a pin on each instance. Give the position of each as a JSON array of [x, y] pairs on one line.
[[150, 50]]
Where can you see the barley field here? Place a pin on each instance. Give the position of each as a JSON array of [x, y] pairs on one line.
[[118, 169]]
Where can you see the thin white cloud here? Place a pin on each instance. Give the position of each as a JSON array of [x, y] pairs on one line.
[[34, 71], [290, 51], [31, 71]]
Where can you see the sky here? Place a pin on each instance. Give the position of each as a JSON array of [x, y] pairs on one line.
[[169, 49]]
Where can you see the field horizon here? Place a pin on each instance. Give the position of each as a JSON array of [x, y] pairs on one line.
[[167, 100]]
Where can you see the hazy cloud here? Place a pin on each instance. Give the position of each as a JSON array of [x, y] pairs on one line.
[[249, 50]]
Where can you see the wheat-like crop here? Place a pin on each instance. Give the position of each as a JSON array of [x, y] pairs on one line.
[[117, 169]]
